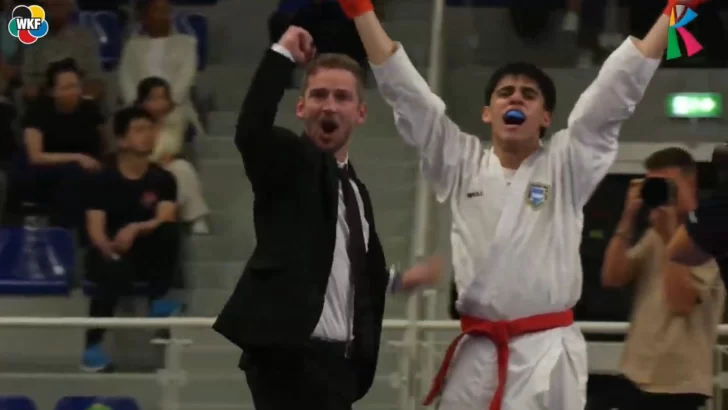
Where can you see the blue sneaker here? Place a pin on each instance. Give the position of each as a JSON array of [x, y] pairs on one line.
[[95, 360], [165, 308]]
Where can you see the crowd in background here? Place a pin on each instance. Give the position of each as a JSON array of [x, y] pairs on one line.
[[63, 149]]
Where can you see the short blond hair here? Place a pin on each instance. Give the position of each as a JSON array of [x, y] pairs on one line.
[[335, 61]]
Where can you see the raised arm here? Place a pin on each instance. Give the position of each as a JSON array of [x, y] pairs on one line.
[[419, 114], [267, 150], [595, 122]]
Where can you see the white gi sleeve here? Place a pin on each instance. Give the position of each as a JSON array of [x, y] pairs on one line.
[[420, 118], [595, 122]]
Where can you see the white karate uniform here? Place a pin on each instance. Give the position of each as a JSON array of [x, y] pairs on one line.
[[516, 242]]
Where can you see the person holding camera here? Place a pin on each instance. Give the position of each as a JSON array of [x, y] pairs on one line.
[[667, 357]]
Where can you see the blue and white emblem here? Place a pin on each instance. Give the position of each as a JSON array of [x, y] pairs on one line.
[[537, 195]]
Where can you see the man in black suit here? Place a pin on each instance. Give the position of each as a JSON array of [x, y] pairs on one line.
[[308, 309]]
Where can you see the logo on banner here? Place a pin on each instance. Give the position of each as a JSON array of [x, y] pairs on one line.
[[537, 195], [680, 16], [28, 24]]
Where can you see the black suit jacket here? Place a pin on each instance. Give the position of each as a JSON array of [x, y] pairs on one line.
[[280, 296]]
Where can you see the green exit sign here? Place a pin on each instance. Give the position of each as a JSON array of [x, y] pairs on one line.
[[694, 105]]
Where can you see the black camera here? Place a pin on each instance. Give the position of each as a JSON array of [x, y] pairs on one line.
[[658, 192]]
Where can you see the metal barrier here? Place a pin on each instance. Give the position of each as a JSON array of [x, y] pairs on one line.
[[414, 369]]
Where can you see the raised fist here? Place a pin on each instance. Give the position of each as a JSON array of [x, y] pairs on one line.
[[299, 43]]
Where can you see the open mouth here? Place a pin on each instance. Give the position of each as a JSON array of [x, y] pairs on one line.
[[514, 117], [328, 126]]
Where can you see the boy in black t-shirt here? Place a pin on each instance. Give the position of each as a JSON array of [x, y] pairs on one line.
[[130, 218]]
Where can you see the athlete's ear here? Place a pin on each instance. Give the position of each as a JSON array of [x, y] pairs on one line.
[[546, 120], [486, 115]]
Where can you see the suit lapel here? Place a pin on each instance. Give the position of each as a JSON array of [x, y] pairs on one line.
[[366, 201], [331, 186]]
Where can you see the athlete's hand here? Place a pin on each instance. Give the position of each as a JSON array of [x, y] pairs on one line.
[[299, 43]]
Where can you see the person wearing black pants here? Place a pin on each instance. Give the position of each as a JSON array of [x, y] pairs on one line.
[[131, 225]]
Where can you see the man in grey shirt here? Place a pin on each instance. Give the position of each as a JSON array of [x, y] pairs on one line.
[[64, 40]]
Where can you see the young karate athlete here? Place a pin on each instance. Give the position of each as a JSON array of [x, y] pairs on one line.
[[517, 213]]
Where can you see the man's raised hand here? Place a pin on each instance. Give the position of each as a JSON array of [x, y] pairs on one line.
[[299, 43]]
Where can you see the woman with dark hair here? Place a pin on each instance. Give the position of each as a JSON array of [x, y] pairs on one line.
[[153, 94], [62, 136]]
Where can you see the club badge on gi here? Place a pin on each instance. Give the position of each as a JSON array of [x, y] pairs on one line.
[[537, 194]]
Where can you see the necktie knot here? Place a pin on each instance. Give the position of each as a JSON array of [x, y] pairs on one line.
[[344, 172]]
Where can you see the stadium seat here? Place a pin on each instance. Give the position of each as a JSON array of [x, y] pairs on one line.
[[137, 288], [38, 263], [108, 28], [16, 403], [196, 25], [97, 403]]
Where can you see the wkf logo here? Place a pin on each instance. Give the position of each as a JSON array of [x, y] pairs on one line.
[[28, 24]]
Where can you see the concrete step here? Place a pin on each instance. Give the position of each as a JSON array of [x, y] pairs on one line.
[[214, 275], [212, 248]]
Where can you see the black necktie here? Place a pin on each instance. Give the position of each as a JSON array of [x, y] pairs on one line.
[[355, 248], [356, 251]]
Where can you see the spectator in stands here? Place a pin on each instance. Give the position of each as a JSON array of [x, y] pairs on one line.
[[64, 40], [130, 218], [668, 354], [154, 95], [10, 58], [161, 52], [63, 137]]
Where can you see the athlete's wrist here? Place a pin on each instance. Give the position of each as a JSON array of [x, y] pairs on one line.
[[355, 8]]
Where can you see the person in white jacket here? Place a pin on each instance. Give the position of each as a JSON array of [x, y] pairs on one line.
[[517, 214], [159, 51]]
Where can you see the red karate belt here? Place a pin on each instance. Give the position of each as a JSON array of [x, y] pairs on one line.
[[500, 333]]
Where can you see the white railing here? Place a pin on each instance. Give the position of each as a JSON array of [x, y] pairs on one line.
[[173, 378]]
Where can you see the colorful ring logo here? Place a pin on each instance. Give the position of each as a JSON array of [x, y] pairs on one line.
[[28, 24]]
